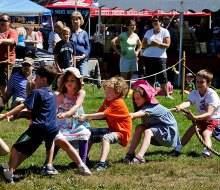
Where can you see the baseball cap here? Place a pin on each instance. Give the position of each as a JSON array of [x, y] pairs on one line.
[[189, 75], [27, 61]]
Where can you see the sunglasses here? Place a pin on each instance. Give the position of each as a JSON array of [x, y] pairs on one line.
[[155, 20], [2, 20]]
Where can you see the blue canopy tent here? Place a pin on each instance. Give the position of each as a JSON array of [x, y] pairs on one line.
[[23, 8]]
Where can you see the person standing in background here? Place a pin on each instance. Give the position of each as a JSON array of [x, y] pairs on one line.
[[8, 41], [129, 53], [20, 47], [81, 41], [21, 35], [54, 36], [32, 38], [155, 42]]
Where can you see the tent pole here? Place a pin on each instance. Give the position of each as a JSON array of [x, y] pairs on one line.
[[52, 22], [76, 2], [99, 23], [89, 25], [180, 48]]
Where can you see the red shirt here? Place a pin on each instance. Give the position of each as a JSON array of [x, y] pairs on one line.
[[118, 118], [12, 34]]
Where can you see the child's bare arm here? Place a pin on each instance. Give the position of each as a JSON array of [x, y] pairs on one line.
[[139, 114], [98, 115], [182, 106], [77, 105], [14, 111], [206, 115]]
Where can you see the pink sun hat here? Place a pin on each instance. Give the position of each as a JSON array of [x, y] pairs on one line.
[[150, 91]]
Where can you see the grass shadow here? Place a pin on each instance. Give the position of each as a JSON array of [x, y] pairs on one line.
[[193, 154]]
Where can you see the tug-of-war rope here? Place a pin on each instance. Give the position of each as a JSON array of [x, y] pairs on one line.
[[173, 67], [198, 134]]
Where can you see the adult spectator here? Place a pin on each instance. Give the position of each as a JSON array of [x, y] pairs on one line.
[[54, 36], [22, 33], [156, 41], [32, 38], [8, 41], [130, 48], [40, 38], [81, 40], [20, 48], [17, 83]]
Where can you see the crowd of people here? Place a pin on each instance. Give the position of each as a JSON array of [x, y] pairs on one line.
[[59, 120]]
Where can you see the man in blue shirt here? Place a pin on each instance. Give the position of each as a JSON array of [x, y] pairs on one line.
[[16, 87]]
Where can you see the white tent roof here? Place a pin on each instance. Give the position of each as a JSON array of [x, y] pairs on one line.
[[165, 5], [22, 8]]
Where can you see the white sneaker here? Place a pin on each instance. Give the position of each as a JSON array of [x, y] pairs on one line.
[[49, 170], [169, 97], [84, 170]]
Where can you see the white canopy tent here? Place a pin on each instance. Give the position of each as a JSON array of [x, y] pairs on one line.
[[165, 5]]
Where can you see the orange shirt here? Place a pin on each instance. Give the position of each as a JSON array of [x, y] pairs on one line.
[[118, 119], [10, 33]]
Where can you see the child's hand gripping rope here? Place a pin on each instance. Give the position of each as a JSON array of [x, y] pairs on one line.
[[188, 114]]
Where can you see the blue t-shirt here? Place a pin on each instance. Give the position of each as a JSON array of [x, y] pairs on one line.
[[65, 52], [42, 103]]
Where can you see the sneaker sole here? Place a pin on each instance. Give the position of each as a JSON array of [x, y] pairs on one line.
[[85, 173], [6, 173], [48, 173]]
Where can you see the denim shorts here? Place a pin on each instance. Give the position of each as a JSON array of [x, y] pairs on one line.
[[98, 133], [128, 65]]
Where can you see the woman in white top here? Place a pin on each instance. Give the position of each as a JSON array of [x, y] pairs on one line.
[[155, 42], [32, 38]]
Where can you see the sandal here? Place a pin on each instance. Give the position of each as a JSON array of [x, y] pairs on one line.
[[138, 160], [128, 158]]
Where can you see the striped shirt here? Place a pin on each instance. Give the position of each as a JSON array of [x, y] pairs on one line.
[[17, 86]]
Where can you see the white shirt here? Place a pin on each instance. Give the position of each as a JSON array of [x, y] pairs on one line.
[[155, 51], [53, 36], [202, 102]]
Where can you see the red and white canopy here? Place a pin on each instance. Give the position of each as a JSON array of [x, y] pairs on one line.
[[144, 13], [68, 4]]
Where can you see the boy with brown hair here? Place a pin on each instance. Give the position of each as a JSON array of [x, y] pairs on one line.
[[42, 104], [207, 103]]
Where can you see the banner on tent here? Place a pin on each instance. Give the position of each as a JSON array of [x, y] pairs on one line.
[[144, 13], [71, 4]]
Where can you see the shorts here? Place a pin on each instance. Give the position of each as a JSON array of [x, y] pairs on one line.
[[3, 74], [209, 124], [128, 65], [216, 132], [154, 65], [98, 133], [32, 138]]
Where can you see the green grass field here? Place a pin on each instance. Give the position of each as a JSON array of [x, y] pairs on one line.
[[161, 172]]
